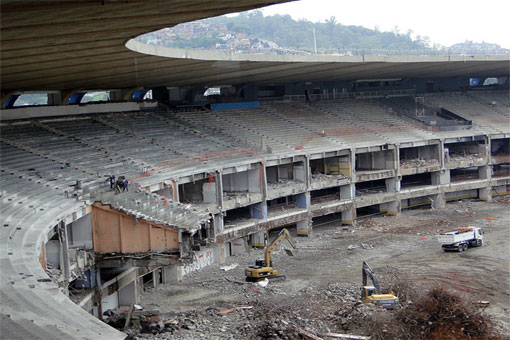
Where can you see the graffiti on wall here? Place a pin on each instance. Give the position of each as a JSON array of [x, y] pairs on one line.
[[200, 260]]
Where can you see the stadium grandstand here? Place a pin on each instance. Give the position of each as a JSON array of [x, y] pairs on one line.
[[157, 179]]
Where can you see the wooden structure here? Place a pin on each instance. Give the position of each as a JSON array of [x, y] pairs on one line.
[[115, 231]]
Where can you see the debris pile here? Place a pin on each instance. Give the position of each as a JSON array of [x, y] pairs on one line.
[[417, 163], [439, 314], [457, 157], [324, 177]]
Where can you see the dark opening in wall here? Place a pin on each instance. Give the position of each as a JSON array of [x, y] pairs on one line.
[[368, 211], [371, 187], [282, 203], [464, 151], [326, 219], [464, 174], [501, 170], [235, 215], [416, 180], [192, 192], [323, 195]]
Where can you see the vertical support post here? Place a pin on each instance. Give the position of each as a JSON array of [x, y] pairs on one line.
[[438, 201], [393, 208], [348, 216], [258, 239], [304, 227], [64, 252]]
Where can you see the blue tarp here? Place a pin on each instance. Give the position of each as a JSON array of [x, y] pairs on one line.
[[233, 106]]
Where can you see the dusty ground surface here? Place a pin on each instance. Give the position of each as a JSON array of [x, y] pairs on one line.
[[321, 292]]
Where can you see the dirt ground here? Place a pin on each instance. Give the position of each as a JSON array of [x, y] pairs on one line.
[[323, 278]]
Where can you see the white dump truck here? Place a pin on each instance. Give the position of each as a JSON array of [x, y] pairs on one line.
[[461, 238]]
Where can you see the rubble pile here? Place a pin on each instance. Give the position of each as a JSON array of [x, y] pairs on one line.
[[282, 182], [337, 308], [456, 157], [439, 314], [369, 191], [324, 177], [418, 163]]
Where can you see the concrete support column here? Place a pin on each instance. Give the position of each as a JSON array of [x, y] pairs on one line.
[[128, 295], [116, 95], [175, 191], [218, 224], [392, 208], [438, 201], [54, 98], [172, 273], [304, 227], [393, 184], [441, 154], [348, 216], [259, 210], [485, 194], [347, 192], [64, 253], [485, 172], [303, 200], [440, 177], [258, 239]]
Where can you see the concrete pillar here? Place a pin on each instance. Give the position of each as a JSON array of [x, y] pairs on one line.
[[348, 216], [304, 227], [438, 201], [392, 208], [485, 172], [255, 180], [116, 95], [258, 239], [440, 177], [259, 210], [238, 247], [54, 98], [64, 253], [218, 224], [175, 191], [299, 173], [209, 192], [347, 192], [219, 189], [172, 273], [442, 154], [393, 184], [303, 200], [485, 194], [128, 295]]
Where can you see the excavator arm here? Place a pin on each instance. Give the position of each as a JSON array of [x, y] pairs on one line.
[[367, 271], [281, 236]]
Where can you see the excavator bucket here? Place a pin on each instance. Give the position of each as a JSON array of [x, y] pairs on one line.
[[288, 251]]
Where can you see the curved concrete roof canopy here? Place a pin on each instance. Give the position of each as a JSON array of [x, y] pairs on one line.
[[55, 45], [211, 67]]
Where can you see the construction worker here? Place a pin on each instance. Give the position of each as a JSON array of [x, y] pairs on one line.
[[126, 182], [112, 181]]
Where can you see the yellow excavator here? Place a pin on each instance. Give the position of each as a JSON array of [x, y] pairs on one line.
[[372, 294], [263, 268]]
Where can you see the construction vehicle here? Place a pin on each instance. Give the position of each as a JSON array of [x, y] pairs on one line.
[[372, 294], [461, 238], [263, 268]]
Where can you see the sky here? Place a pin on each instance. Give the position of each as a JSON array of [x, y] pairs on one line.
[[445, 22]]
